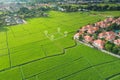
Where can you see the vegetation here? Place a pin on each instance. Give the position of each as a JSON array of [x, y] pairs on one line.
[[26, 53], [109, 45], [92, 7], [24, 13], [32, 13], [112, 48], [103, 8], [113, 27]]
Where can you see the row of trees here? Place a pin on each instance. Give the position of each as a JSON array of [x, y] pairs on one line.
[[111, 47], [95, 7], [29, 13], [70, 8], [102, 8]]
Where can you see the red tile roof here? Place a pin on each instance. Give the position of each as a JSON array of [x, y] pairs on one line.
[[88, 38], [110, 33], [92, 30], [102, 35], [110, 38], [76, 36], [99, 43], [117, 42], [107, 35]]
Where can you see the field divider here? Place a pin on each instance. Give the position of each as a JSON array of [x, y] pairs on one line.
[[8, 50], [12, 32], [112, 76]]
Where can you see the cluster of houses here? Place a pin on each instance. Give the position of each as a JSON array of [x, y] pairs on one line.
[[63, 9], [88, 31], [13, 20], [79, 1]]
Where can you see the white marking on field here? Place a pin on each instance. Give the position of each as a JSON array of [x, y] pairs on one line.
[[52, 36]]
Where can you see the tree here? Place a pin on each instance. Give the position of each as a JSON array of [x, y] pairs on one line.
[[115, 49], [109, 46], [113, 27], [80, 37], [119, 52], [24, 10], [105, 7]]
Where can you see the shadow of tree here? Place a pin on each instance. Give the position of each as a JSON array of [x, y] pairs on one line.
[[3, 29]]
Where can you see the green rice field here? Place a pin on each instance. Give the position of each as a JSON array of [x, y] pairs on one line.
[[27, 53]]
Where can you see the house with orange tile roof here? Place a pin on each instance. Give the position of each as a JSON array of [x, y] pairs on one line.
[[102, 35], [99, 43], [98, 24], [107, 35], [76, 36], [109, 20], [104, 25], [110, 33], [88, 39], [92, 30], [85, 28], [110, 36]]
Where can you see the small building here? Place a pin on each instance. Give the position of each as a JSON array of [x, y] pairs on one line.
[[109, 36], [88, 39], [99, 44], [61, 9], [76, 36], [102, 35], [85, 28], [19, 21], [92, 30]]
